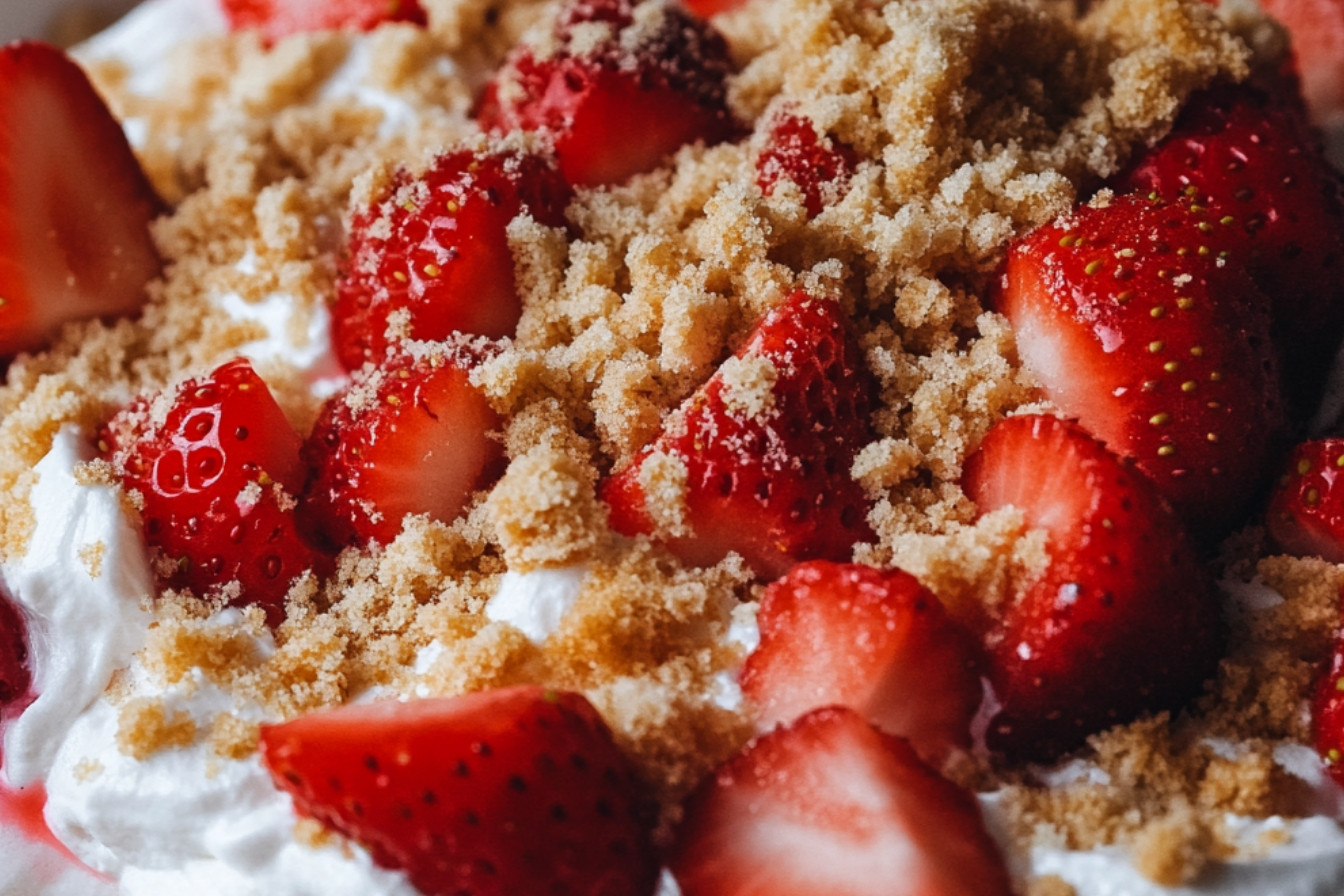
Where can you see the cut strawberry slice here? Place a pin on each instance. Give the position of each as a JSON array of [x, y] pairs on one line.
[[216, 472], [819, 166], [435, 249], [16, 675], [1272, 205], [1157, 347], [76, 207], [873, 640], [1123, 620], [277, 19], [1306, 513], [831, 805], [500, 793], [1327, 713], [766, 465], [411, 436], [620, 88]]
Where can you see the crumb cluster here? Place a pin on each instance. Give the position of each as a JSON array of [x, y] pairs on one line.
[[973, 120]]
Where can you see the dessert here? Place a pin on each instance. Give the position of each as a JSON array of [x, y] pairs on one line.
[[527, 380]]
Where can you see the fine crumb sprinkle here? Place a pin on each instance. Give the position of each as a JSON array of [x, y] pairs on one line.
[[91, 555], [145, 726]]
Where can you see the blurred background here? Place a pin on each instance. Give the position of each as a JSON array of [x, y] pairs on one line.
[[61, 22]]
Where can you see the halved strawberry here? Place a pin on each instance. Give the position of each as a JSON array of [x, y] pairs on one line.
[[819, 166], [498, 793], [620, 87], [1158, 347], [75, 207], [1272, 205], [277, 19], [1124, 618], [767, 462], [216, 464], [16, 675], [831, 805], [1306, 512], [411, 436], [1327, 713], [873, 640], [435, 249]]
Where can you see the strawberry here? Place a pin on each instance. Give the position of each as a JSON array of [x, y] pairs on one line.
[[497, 793], [620, 88], [706, 8], [435, 249], [1273, 206], [767, 469], [277, 19], [1327, 713], [1306, 511], [216, 464], [819, 166], [873, 640], [411, 436], [830, 805], [75, 207], [1317, 30], [1158, 349], [1123, 619], [16, 675]]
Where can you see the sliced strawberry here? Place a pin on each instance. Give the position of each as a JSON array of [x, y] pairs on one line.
[[706, 8], [1306, 512], [75, 207], [435, 249], [767, 469], [819, 166], [873, 640], [276, 19], [411, 436], [216, 464], [1272, 206], [620, 88], [831, 805], [1317, 29], [1327, 713], [1123, 620], [499, 793], [16, 675], [1158, 349]]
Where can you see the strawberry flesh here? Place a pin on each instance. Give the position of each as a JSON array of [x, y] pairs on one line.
[[410, 436], [770, 482], [277, 19], [1123, 620], [1156, 347], [216, 472], [819, 166], [831, 805], [75, 206], [617, 105], [1306, 511], [497, 793], [16, 674], [435, 248], [873, 640]]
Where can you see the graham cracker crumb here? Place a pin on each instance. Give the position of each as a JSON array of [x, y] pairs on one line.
[[145, 726]]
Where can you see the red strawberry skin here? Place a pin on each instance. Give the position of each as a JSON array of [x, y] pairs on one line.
[[819, 166], [1327, 714], [277, 19], [1157, 348], [497, 793], [831, 805], [873, 640], [1306, 511], [613, 109], [1123, 620], [774, 484], [436, 248], [16, 675], [411, 436], [75, 206], [1252, 161], [217, 474]]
